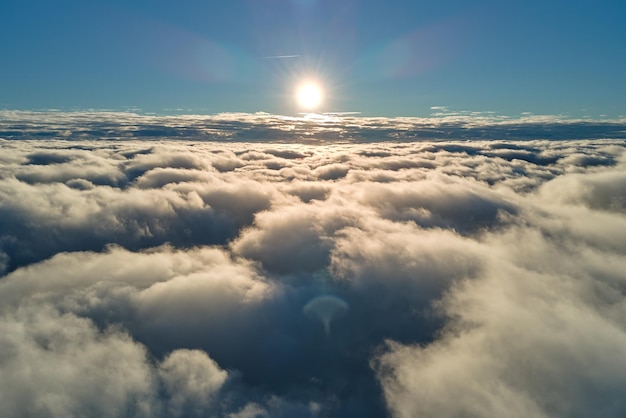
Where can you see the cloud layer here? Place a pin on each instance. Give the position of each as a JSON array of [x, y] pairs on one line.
[[312, 128], [250, 279]]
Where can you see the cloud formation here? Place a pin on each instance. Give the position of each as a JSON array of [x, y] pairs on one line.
[[332, 127], [255, 279]]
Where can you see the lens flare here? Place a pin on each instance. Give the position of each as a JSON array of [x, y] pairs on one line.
[[326, 308]]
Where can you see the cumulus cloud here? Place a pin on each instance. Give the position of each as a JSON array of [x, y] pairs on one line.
[[601, 191], [524, 340], [372, 276], [56, 364], [191, 379]]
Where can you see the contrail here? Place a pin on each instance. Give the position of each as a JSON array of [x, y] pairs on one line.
[[273, 57]]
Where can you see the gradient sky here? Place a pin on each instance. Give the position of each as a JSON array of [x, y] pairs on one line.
[[391, 58]]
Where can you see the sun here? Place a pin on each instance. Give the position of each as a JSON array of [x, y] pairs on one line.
[[309, 95]]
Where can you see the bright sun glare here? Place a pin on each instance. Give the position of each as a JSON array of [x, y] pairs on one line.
[[309, 96]]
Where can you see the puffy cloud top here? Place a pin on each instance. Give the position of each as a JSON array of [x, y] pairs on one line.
[[241, 278]]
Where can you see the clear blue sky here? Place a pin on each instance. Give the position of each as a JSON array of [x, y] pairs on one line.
[[388, 58]]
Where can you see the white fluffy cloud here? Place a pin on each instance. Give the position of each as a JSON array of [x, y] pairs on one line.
[[522, 340], [191, 378], [479, 278], [58, 364]]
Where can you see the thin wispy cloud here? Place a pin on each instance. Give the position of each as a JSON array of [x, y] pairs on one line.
[[276, 57]]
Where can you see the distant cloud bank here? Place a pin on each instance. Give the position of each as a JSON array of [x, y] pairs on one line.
[[264, 127], [262, 266]]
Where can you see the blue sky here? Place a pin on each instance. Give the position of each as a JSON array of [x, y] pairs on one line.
[[392, 58]]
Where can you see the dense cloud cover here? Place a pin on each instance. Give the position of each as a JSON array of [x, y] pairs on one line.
[[314, 128], [255, 279]]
